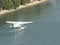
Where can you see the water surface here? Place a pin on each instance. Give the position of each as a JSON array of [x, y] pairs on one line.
[[44, 31]]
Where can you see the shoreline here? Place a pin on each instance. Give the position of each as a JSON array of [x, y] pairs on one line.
[[22, 6]]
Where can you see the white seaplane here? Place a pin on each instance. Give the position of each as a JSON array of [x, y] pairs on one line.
[[18, 24]]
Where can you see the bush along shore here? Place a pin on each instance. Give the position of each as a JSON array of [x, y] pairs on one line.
[[10, 4], [7, 6]]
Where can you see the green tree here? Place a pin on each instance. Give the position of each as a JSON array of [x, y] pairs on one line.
[[16, 3], [26, 1], [7, 4]]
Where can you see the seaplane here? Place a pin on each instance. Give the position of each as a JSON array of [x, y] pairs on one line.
[[18, 24]]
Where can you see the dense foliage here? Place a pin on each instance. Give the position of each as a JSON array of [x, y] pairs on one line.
[[26, 1], [10, 4], [16, 3], [7, 4]]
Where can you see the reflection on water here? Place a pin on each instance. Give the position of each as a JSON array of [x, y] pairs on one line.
[[12, 38]]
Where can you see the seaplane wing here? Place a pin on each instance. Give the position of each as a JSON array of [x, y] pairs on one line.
[[25, 22], [11, 22], [17, 24]]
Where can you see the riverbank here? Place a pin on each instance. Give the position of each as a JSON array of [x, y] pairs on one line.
[[22, 6]]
